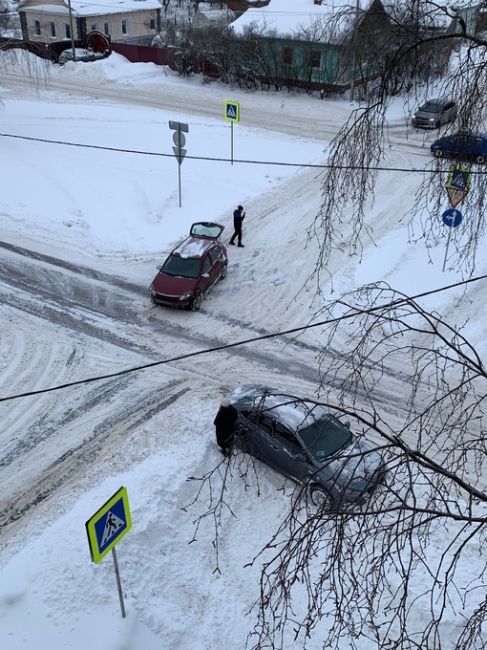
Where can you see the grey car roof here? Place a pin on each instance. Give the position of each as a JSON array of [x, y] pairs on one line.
[[280, 401], [437, 100]]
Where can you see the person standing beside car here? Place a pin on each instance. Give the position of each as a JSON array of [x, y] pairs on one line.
[[238, 217], [225, 426]]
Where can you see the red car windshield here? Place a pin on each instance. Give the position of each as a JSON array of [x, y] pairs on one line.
[[184, 267]]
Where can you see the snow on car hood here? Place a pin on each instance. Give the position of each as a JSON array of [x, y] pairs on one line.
[[354, 467]]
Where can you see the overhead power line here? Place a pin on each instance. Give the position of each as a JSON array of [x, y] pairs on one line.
[[235, 160], [228, 346]]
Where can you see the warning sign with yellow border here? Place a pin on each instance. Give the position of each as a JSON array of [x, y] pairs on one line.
[[108, 525], [232, 111]]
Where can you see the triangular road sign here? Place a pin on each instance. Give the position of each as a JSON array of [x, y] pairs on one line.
[[179, 153], [455, 196]]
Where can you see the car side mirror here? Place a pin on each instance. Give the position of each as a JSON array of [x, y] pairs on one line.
[[347, 424], [205, 275], [159, 267]]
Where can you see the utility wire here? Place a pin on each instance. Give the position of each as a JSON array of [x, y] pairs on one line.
[[235, 160], [228, 346]]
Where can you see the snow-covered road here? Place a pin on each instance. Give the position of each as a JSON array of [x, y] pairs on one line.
[[81, 234]]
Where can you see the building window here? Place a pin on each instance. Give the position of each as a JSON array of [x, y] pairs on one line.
[[52, 30], [37, 28], [315, 59], [107, 29], [287, 56], [67, 30], [152, 24], [94, 27], [125, 26]]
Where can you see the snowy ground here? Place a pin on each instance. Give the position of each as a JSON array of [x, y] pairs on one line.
[[81, 232]]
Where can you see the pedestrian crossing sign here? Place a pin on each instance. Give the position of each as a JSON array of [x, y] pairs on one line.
[[459, 178], [232, 111], [108, 525]]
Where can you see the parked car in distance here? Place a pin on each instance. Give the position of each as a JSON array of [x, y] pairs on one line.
[[464, 145], [433, 113], [305, 442], [81, 54], [192, 268]]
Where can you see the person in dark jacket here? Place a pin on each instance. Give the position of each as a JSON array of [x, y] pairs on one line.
[[238, 217], [225, 426]]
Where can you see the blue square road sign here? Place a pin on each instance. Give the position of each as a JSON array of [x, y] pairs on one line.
[[108, 525], [232, 111]]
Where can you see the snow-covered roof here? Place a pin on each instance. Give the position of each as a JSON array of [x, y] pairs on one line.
[[290, 17], [332, 17], [207, 16], [85, 8], [60, 9]]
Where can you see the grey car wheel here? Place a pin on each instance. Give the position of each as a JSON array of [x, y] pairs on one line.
[[223, 272], [438, 153], [480, 159], [196, 304], [319, 497]]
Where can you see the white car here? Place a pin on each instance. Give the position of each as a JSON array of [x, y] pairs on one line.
[[80, 54]]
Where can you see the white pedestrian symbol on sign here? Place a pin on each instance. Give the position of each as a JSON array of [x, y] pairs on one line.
[[231, 112], [112, 525]]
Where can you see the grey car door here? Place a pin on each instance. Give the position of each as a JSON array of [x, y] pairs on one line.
[[256, 436], [290, 457]]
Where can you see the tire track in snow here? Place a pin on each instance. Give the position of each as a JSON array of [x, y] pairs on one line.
[[72, 463], [110, 304]]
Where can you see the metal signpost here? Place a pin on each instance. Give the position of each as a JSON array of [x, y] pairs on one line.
[[106, 528], [179, 139], [451, 218], [232, 114]]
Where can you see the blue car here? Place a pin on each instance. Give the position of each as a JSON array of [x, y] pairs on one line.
[[464, 145]]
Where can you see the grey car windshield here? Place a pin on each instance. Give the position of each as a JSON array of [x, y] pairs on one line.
[[432, 107], [324, 437], [185, 267]]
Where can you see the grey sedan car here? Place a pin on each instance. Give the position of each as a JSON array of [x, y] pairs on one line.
[[434, 113], [306, 443]]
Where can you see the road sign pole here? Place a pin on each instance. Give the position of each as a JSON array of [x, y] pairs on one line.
[[179, 128], [179, 182], [179, 140], [232, 114], [446, 249], [119, 582]]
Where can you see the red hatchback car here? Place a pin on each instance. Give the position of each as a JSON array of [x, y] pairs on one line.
[[192, 268]]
